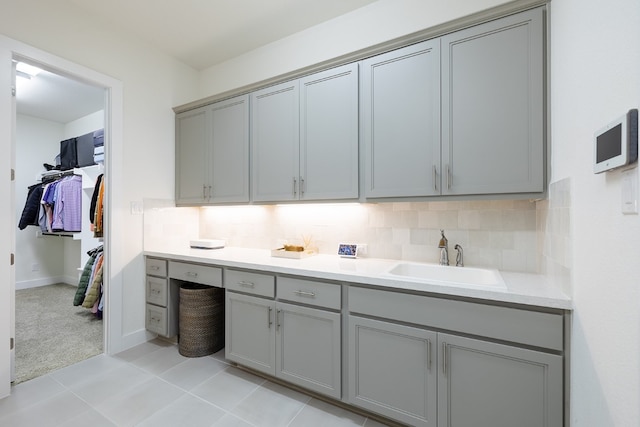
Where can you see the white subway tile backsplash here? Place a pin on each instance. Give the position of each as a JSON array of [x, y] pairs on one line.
[[502, 234]]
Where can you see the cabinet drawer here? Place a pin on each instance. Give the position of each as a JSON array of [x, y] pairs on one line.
[[540, 329], [157, 291], [251, 283], [196, 273], [310, 292], [157, 320], [156, 267]]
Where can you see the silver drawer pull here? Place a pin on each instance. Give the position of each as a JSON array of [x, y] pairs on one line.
[[305, 294], [247, 284], [154, 267], [191, 274]]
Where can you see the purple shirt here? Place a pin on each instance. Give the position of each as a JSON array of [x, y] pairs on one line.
[[67, 208]]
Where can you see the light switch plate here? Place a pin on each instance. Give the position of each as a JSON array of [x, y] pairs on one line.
[[630, 191]]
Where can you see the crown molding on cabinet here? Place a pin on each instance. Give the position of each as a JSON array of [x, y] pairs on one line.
[[432, 32]]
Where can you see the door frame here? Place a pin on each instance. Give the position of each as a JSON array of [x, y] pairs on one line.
[[114, 206]]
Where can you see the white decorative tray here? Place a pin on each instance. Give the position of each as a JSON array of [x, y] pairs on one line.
[[281, 253]]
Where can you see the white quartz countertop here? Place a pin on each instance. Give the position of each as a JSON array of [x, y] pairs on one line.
[[521, 288]]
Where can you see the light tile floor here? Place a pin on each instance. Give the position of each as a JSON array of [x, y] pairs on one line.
[[153, 385]]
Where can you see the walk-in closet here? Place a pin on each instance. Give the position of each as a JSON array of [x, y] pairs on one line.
[[59, 151]]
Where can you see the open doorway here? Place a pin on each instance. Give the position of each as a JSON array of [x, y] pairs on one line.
[[51, 330]]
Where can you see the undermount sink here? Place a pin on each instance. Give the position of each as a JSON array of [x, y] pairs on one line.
[[448, 275]]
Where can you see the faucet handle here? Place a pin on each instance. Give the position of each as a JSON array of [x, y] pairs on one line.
[[443, 240], [459, 256]]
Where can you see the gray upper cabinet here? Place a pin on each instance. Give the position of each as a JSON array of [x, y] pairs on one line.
[[212, 153], [191, 157], [305, 138], [275, 143], [485, 384], [329, 134], [492, 107], [400, 105]]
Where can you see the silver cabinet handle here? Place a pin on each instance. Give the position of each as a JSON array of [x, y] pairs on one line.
[[204, 191], [429, 355], [295, 191], [301, 186], [191, 274], [278, 319], [449, 178], [210, 192], [435, 178], [305, 293], [247, 284], [154, 268], [269, 321]]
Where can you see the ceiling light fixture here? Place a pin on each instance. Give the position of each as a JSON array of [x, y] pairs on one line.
[[27, 71]]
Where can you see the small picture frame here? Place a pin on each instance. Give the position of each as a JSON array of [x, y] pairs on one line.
[[348, 250]]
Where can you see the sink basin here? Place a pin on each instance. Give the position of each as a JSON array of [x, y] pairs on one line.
[[448, 275]]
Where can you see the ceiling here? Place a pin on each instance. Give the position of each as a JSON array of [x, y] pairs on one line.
[[56, 98], [200, 33]]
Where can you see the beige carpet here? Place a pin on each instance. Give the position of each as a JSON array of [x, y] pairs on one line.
[[51, 333]]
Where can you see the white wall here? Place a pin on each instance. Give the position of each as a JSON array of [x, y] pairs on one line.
[[37, 142], [153, 83], [595, 77], [378, 22]]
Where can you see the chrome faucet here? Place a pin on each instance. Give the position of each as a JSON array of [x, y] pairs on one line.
[[444, 249], [459, 260]]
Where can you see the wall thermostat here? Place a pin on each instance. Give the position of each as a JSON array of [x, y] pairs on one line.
[[351, 250], [616, 144]]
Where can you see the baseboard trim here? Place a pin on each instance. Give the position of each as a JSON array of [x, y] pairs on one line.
[[45, 281]]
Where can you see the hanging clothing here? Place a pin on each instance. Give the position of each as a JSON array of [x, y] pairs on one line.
[[90, 292], [32, 207], [94, 199], [98, 230], [54, 205], [67, 212]]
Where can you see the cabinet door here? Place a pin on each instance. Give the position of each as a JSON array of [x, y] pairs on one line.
[[392, 370], [308, 350], [230, 150], [483, 384], [492, 107], [191, 157], [329, 134], [401, 121], [275, 143], [250, 332]]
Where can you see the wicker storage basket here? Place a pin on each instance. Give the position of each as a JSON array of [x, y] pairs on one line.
[[201, 320]]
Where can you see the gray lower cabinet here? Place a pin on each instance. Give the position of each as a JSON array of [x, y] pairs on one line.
[[308, 350], [162, 300], [250, 332], [393, 370], [493, 107], [212, 153], [482, 384], [423, 378], [298, 344], [411, 358]]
